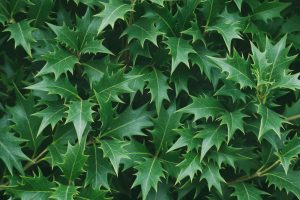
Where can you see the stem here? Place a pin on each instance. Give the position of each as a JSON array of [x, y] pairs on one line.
[[35, 160], [260, 172]]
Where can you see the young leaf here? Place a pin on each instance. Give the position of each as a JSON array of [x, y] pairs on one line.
[[149, 173]]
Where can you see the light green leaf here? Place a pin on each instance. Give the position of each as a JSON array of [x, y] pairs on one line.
[[64, 192], [245, 191], [212, 175]]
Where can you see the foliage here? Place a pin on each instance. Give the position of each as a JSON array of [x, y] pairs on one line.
[[149, 99]]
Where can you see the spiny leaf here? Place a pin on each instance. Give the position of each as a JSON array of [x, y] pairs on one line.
[[64, 192], [80, 113], [113, 11], [149, 174], [58, 62], [245, 191], [204, 106], [212, 175], [114, 150], [179, 49], [269, 10], [21, 32]]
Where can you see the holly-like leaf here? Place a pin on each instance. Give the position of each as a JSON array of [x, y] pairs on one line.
[[229, 25], [245, 191], [164, 125], [4, 13], [195, 32], [149, 174], [51, 115], [39, 11], [115, 151], [189, 166], [60, 86], [212, 136], [92, 194], [80, 113], [187, 139], [212, 175], [289, 182], [269, 10], [158, 86], [204, 107], [97, 169], [64, 192], [179, 50], [21, 32], [142, 30], [229, 89], [74, 160], [10, 151], [270, 120], [129, 123], [233, 121], [36, 187], [237, 67], [289, 153], [58, 62], [113, 11], [26, 124]]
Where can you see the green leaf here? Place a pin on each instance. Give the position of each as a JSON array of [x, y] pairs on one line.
[[229, 89], [91, 194], [113, 11], [115, 151], [237, 67], [21, 32], [179, 50], [65, 35], [204, 106], [239, 4], [10, 151], [212, 136], [25, 123], [269, 10], [74, 160], [158, 2], [39, 11], [229, 25], [158, 86], [245, 191], [51, 115], [60, 87], [64, 192], [97, 169], [212, 175], [129, 123], [195, 32], [289, 182], [142, 30], [233, 121], [36, 187], [270, 120], [189, 166], [80, 113], [4, 14], [187, 139], [290, 152], [163, 133], [58, 62], [149, 173]]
